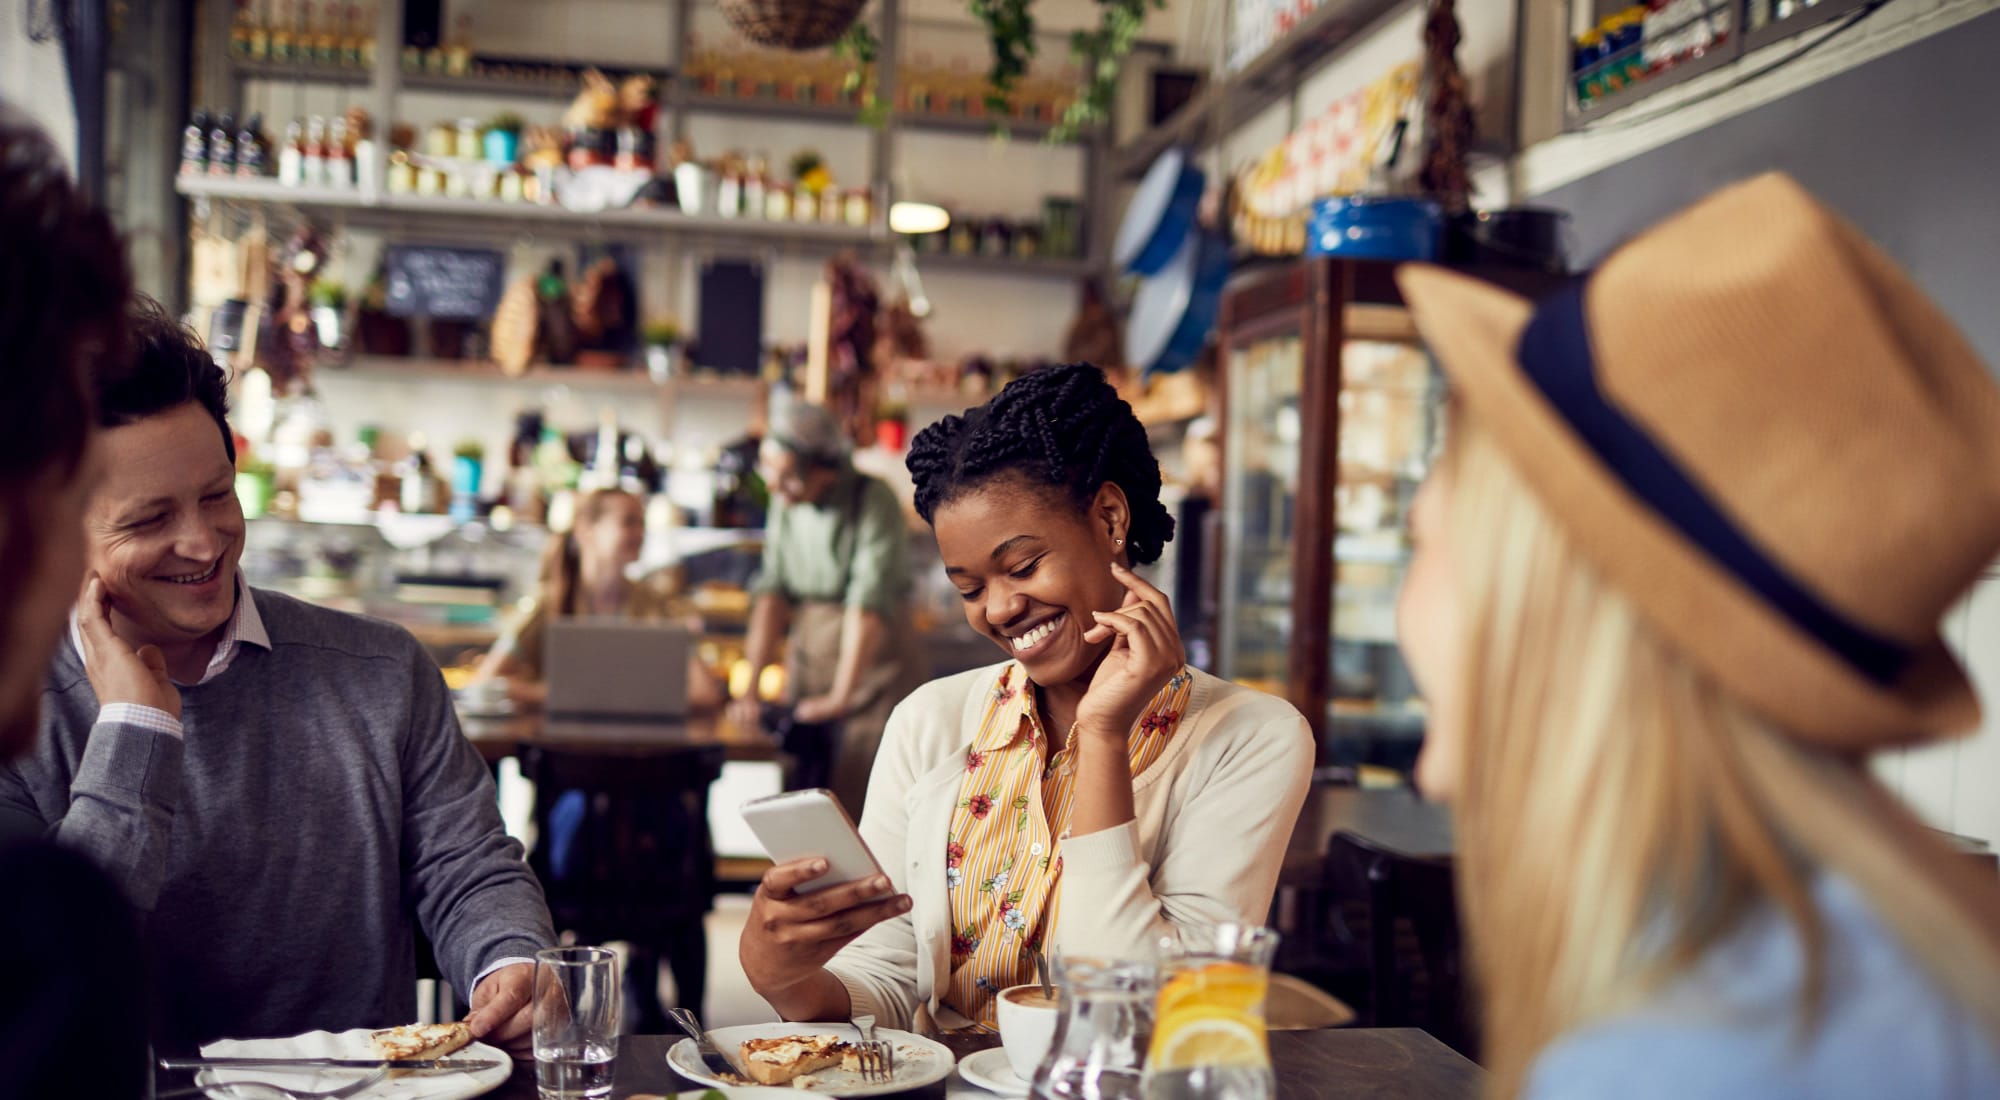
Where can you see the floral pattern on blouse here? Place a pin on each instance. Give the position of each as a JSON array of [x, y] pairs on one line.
[[1003, 861]]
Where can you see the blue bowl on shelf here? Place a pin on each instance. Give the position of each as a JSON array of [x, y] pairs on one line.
[[1362, 228]]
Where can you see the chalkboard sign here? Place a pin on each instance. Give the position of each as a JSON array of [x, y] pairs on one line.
[[457, 284]]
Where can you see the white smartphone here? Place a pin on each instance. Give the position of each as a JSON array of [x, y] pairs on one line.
[[811, 825]]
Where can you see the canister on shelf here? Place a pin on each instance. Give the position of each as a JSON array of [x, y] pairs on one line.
[[402, 174], [468, 146], [859, 208], [441, 140], [778, 203]]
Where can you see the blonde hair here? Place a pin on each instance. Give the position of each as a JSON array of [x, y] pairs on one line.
[[1619, 812], [562, 563]]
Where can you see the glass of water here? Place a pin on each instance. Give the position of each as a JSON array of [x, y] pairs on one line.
[[577, 995]]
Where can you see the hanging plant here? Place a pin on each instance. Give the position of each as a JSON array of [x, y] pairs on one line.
[[1010, 28]]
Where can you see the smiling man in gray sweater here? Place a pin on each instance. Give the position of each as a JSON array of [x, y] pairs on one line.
[[282, 790]]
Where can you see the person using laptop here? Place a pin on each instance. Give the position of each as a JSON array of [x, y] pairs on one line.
[[585, 574]]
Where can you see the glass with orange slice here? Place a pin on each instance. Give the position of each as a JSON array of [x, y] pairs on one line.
[[1208, 1025]]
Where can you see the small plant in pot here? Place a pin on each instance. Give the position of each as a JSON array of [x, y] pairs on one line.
[[663, 339]]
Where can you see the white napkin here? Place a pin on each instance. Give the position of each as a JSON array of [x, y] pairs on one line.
[[353, 1044]]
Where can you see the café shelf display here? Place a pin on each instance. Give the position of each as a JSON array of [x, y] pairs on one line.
[[1331, 413]]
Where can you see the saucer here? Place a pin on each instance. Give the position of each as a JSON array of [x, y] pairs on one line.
[[990, 1070]]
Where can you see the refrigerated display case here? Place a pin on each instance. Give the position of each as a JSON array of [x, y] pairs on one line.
[[1331, 411]]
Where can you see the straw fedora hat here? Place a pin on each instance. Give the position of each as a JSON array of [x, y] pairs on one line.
[[1768, 438]]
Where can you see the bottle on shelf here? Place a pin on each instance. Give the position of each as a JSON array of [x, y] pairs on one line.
[[419, 481], [252, 150], [364, 35], [339, 167], [326, 36], [222, 147], [315, 152], [239, 31], [292, 158], [194, 145], [458, 51], [283, 50], [260, 33]]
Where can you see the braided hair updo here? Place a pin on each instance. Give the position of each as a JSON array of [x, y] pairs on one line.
[[1061, 427]]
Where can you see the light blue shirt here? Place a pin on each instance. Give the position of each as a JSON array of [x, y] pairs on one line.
[[1730, 1028]]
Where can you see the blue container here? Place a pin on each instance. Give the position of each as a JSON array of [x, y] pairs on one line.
[[1359, 228], [503, 147]]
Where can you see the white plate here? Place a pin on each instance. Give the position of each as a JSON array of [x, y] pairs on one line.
[[352, 1044], [990, 1070], [743, 1092], [919, 1061]]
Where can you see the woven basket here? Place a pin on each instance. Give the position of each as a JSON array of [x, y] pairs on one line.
[[792, 24]]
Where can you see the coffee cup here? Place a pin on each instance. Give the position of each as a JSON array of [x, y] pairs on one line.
[[1027, 1027]]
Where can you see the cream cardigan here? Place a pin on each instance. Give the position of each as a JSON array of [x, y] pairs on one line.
[[1212, 818]]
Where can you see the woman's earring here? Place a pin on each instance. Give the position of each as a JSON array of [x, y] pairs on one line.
[[1121, 544]]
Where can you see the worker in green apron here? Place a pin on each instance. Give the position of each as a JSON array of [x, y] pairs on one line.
[[833, 585]]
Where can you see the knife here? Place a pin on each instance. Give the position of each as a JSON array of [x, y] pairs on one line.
[[711, 1056], [331, 1063]]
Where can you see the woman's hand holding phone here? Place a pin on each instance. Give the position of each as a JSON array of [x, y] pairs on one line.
[[790, 936]]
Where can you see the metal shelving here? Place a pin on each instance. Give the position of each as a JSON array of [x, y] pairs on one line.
[[387, 79], [419, 213]]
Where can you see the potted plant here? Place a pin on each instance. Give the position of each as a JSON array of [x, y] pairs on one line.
[[663, 339], [256, 481], [328, 302], [503, 139]]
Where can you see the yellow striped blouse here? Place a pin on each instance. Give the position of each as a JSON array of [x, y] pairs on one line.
[[1004, 861]]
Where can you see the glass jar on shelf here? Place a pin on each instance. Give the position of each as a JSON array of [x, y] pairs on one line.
[[466, 144]]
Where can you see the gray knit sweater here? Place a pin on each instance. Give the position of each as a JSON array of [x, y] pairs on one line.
[[321, 807]]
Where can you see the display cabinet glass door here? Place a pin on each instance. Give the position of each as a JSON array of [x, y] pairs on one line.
[[1390, 408], [1265, 377]]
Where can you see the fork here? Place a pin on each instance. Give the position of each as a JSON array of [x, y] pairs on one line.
[[878, 1058], [261, 1090]]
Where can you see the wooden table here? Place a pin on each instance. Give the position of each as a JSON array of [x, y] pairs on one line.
[[499, 738], [1381, 1064]]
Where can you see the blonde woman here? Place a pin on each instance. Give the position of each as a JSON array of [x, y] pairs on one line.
[[1680, 573], [584, 574]]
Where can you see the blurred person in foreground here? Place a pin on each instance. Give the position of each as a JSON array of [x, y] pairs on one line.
[[282, 790], [833, 587], [1679, 575], [72, 1021]]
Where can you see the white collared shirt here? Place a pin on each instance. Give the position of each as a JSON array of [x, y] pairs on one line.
[[245, 626]]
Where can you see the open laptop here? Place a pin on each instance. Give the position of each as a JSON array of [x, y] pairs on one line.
[[613, 670]]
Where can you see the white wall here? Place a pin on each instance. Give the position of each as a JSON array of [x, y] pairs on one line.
[[34, 80], [1711, 98], [1956, 785]]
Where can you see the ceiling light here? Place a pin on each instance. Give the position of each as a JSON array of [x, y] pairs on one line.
[[917, 217]]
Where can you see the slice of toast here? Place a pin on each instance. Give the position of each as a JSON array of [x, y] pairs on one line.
[[413, 1041], [779, 1061]]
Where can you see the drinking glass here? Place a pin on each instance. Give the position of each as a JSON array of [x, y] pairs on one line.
[[1100, 1044], [1209, 1040], [577, 995]]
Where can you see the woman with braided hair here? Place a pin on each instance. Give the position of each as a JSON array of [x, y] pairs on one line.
[[1089, 795]]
